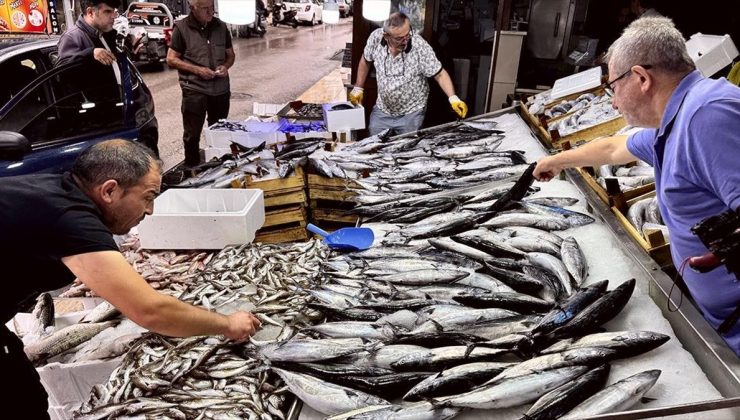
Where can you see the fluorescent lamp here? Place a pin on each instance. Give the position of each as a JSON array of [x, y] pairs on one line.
[[237, 12], [376, 10]]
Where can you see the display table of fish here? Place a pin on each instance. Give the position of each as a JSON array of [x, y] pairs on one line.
[[541, 252]]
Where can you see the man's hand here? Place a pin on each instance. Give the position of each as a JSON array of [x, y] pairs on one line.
[[460, 108], [242, 325], [546, 169], [104, 56], [205, 73], [356, 95], [222, 71]]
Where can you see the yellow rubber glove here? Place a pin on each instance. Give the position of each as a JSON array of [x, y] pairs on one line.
[[458, 106], [356, 95]]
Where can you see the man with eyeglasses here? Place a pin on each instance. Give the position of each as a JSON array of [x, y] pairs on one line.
[[202, 53], [92, 36], [403, 61], [691, 139]]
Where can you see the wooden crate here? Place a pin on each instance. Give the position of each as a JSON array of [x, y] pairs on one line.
[[552, 140], [323, 210], [605, 129], [281, 234], [287, 196], [295, 180], [655, 244], [613, 195], [283, 215]]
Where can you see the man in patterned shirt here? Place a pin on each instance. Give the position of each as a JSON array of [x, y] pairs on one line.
[[403, 61]]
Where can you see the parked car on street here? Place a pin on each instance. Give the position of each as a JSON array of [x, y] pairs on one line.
[[145, 37], [306, 10], [49, 115], [345, 8]]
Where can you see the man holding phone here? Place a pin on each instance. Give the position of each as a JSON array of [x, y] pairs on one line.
[[202, 53]]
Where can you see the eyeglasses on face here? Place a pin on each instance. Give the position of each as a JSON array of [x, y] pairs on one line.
[[609, 86], [397, 39]]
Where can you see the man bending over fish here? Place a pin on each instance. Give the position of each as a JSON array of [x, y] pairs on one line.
[[58, 227], [691, 139]]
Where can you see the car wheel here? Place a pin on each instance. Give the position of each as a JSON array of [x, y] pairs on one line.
[[313, 20]]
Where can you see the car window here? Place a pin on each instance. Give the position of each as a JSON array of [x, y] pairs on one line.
[[17, 73], [71, 102]]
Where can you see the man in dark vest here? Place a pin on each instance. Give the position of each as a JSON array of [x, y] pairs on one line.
[[202, 53]]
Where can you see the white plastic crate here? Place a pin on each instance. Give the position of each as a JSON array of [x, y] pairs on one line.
[[344, 119], [203, 219], [711, 53]]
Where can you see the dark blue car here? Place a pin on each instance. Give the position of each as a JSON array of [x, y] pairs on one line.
[[49, 115]]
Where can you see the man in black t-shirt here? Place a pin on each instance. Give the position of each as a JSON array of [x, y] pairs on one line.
[[58, 227]]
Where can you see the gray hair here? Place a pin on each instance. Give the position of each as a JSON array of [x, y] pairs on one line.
[[651, 41], [395, 20], [125, 161]]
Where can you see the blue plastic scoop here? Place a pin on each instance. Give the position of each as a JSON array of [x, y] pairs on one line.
[[345, 239]]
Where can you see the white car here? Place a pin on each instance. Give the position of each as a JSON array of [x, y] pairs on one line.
[[306, 10]]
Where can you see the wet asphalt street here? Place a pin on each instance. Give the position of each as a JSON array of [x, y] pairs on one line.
[[274, 69]]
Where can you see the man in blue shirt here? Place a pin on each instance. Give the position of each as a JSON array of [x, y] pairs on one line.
[[692, 140]]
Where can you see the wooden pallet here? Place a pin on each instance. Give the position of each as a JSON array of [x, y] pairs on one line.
[[613, 195], [655, 244]]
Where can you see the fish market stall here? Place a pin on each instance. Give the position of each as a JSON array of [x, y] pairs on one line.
[[693, 355], [437, 287]]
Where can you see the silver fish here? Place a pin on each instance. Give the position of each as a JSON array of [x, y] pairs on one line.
[[619, 396]]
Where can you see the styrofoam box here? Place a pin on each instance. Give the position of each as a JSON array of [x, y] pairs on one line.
[[203, 218], [344, 119], [578, 82], [711, 53], [256, 133]]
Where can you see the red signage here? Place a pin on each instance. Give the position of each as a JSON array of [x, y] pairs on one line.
[[20, 16]]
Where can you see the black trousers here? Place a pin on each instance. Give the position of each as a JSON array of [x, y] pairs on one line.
[[22, 382], [195, 106]]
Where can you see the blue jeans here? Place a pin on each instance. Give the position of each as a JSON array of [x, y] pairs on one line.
[[380, 121]]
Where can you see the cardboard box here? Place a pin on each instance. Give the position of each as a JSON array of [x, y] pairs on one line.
[[203, 219], [711, 53], [344, 119]]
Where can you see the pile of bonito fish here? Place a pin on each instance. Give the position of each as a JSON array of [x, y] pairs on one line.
[[472, 302], [599, 110], [645, 216], [232, 170], [629, 176], [478, 307], [566, 106]]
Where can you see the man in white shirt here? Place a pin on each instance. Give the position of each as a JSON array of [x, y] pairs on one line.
[[403, 61]]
